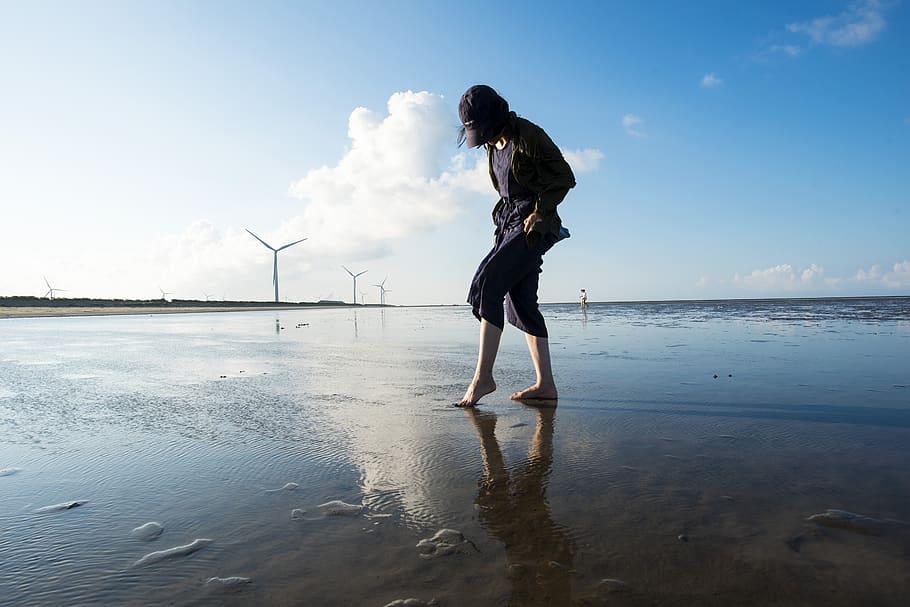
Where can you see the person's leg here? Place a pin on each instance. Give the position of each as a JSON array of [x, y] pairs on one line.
[[507, 263], [523, 311], [545, 386], [483, 383]]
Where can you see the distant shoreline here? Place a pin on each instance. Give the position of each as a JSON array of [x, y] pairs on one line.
[[114, 310]]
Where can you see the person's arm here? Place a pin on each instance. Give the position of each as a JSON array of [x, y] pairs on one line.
[[554, 173], [553, 177]]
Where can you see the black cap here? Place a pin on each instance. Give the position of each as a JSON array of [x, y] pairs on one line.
[[483, 112]]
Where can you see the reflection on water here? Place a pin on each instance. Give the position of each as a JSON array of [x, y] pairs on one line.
[[513, 507], [728, 423]]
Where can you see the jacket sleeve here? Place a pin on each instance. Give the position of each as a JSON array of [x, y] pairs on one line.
[[554, 174]]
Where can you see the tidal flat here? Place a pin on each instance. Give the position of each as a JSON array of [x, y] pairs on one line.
[[702, 453]]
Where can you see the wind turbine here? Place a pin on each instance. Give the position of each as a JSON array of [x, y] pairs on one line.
[[50, 290], [382, 291], [207, 295], [354, 276], [363, 298], [275, 251], [164, 294]]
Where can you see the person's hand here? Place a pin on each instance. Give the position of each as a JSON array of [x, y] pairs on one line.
[[530, 220]]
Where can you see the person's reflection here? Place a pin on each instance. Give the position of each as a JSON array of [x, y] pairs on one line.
[[513, 507]]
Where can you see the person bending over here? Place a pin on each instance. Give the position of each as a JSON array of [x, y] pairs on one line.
[[532, 178]]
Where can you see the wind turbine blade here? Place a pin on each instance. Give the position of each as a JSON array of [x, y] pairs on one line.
[[348, 271], [260, 240], [291, 244], [364, 272], [45, 282]]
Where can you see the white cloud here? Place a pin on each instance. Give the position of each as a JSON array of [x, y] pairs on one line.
[[785, 278], [860, 24], [631, 122], [583, 161], [811, 273], [397, 178], [790, 50], [898, 277], [872, 274], [782, 277], [710, 81]]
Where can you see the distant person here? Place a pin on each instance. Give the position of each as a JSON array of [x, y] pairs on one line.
[[532, 177], [584, 299]]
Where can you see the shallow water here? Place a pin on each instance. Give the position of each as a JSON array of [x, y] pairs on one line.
[[653, 482]]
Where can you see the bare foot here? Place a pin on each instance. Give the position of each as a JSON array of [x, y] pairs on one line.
[[536, 392], [479, 388]]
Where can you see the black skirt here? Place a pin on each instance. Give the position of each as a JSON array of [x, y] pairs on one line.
[[510, 273]]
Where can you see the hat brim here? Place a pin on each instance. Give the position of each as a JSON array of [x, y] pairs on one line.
[[476, 137]]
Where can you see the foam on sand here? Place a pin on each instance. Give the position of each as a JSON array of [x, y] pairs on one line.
[[412, 602], [161, 555], [148, 531], [850, 521], [332, 508], [61, 506], [340, 508], [286, 487], [443, 543], [227, 582]]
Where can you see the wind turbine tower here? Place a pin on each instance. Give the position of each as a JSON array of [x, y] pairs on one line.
[[354, 276], [275, 251], [50, 290], [382, 291]]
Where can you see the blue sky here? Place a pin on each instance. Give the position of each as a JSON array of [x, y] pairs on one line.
[[721, 149]]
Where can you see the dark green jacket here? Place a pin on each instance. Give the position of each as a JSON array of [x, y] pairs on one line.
[[538, 165]]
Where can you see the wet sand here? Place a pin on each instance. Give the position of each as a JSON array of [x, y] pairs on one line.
[[324, 464]]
